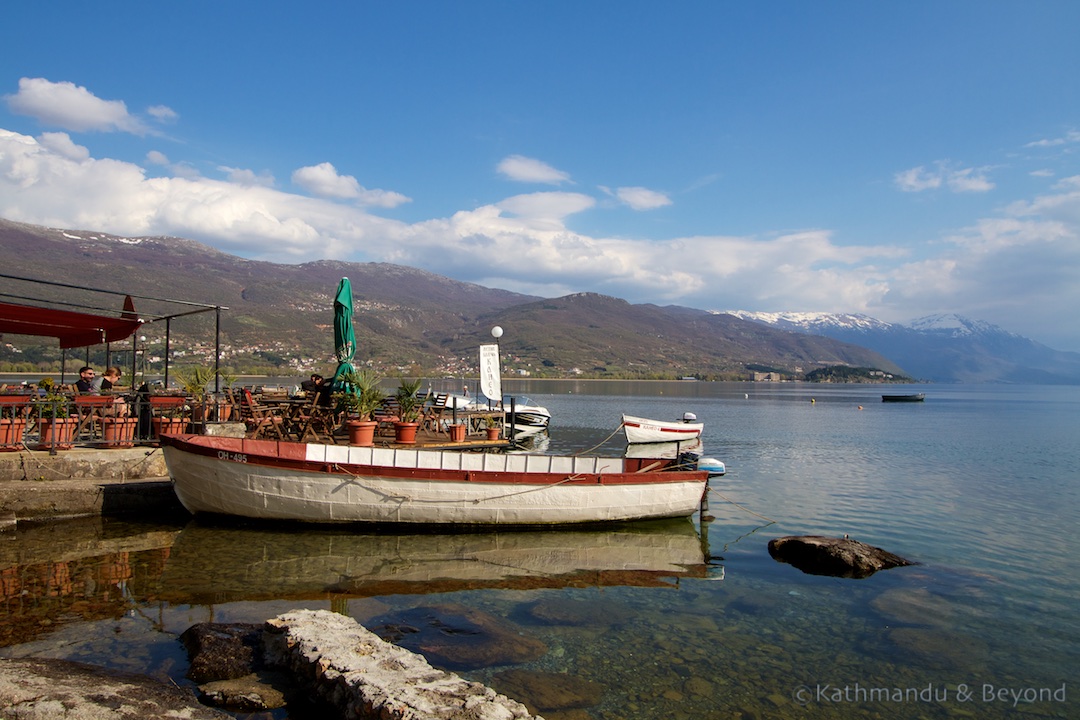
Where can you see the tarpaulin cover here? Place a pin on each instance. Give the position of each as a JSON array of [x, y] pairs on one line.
[[73, 329]]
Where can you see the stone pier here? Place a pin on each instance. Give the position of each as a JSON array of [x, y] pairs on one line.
[[365, 677]]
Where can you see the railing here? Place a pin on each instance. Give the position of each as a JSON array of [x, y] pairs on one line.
[[58, 422]]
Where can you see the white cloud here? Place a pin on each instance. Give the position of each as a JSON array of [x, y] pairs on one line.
[[1019, 268], [72, 107], [547, 205], [242, 176], [163, 113], [918, 179], [61, 144], [639, 198], [1070, 137], [524, 169], [323, 180], [157, 158]]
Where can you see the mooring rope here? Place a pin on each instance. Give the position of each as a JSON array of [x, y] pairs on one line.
[[613, 434], [476, 501], [712, 489]]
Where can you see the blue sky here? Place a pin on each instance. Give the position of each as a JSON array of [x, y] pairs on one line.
[[894, 159]]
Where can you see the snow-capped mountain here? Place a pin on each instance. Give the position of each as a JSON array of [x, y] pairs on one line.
[[939, 348]]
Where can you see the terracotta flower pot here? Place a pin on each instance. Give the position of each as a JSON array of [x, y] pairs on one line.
[[11, 434], [457, 433], [58, 433], [405, 432], [169, 426], [493, 433], [118, 432], [362, 432]]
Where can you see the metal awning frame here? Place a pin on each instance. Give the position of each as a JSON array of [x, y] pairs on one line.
[[125, 319]]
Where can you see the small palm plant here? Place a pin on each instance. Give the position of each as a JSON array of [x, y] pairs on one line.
[[407, 399], [194, 379], [360, 394]]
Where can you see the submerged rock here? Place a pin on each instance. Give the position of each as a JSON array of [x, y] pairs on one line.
[[227, 662], [838, 557], [459, 637], [545, 691]]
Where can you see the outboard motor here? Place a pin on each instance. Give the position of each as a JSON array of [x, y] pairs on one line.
[[689, 417]]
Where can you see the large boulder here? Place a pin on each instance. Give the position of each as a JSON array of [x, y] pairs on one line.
[[838, 557]]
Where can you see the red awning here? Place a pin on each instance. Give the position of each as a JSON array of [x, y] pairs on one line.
[[73, 329]]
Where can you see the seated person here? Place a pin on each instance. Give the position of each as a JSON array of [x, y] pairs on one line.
[[311, 385], [112, 377], [87, 383], [324, 391]]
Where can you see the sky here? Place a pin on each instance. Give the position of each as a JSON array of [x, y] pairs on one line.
[[897, 159]]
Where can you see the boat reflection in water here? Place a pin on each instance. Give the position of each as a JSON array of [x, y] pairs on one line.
[[215, 563]]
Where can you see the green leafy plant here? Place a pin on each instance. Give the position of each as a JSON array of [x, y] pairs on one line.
[[407, 399], [54, 404], [194, 379], [360, 393]]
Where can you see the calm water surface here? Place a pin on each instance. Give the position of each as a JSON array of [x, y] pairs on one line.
[[685, 619]]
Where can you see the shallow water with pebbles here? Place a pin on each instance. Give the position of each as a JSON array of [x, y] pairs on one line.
[[669, 620]]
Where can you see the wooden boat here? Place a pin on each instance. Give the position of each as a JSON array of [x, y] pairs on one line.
[[643, 430], [913, 397], [308, 482]]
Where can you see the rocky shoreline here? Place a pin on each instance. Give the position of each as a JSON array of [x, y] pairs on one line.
[[303, 656]]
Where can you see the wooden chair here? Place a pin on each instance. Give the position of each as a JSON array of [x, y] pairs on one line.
[[431, 418], [388, 414], [263, 421], [316, 422], [90, 409]]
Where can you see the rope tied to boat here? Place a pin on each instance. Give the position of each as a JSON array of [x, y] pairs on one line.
[[475, 501]]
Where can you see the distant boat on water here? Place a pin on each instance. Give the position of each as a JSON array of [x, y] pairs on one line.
[[644, 430], [912, 397]]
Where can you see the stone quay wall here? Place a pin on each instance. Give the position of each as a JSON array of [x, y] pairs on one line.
[[36, 485]]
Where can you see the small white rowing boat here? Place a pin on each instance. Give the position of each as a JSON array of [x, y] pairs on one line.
[[309, 482], [643, 430]]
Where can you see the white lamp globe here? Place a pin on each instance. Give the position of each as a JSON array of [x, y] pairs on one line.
[[496, 332]]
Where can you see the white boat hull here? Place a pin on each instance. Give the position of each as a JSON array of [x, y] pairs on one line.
[[644, 430], [343, 484]]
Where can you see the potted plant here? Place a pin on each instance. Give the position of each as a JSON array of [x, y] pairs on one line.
[[409, 409], [55, 419], [223, 403], [360, 396], [193, 380], [118, 431], [492, 428], [13, 422]]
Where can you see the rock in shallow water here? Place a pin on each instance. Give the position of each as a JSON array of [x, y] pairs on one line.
[[543, 691], [837, 557], [459, 637]]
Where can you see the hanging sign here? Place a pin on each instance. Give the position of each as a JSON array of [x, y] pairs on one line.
[[490, 373]]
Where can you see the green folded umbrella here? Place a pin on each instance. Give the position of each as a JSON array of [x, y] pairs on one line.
[[344, 336]]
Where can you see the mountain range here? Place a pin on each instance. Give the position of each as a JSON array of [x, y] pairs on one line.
[[278, 318], [939, 348]]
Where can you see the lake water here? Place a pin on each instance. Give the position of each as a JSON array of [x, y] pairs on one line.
[[977, 484]]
